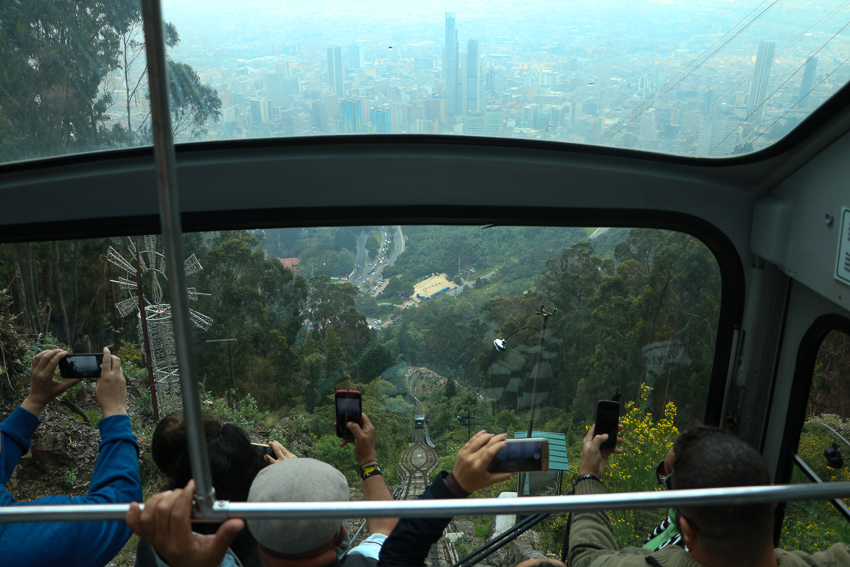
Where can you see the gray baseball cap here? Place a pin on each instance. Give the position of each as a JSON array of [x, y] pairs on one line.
[[297, 480]]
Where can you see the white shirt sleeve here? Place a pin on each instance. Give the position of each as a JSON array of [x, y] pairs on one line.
[[371, 546]]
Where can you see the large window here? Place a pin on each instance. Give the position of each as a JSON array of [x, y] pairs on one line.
[[707, 79], [408, 315], [824, 445]]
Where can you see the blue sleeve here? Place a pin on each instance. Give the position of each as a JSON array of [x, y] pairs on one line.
[[412, 538], [115, 480], [16, 433]]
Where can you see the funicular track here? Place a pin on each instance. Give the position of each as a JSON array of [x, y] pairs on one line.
[[415, 467], [417, 463]]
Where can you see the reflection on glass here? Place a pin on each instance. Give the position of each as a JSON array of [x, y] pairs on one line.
[[711, 78], [407, 315]]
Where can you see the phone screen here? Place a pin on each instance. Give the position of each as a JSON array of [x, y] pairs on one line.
[[81, 366], [522, 455], [347, 409], [607, 420]]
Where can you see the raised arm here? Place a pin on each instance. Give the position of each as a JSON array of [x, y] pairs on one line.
[[18, 429], [374, 486], [591, 535], [412, 538]]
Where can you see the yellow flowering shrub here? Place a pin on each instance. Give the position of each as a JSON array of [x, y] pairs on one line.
[[645, 444]]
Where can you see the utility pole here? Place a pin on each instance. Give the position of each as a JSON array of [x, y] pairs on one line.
[[468, 419]]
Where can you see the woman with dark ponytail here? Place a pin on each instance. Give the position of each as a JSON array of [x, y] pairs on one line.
[[234, 462]]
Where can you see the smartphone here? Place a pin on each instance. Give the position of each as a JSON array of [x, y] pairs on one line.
[[81, 365], [263, 449], [522, 455], [348, 408], [608, 421]]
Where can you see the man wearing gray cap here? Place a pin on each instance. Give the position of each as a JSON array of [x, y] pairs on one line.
[[166, 518]]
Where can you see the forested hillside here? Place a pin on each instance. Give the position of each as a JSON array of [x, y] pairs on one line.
[[633, 310]]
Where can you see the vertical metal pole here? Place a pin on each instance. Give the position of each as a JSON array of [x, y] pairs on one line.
[[145, 338], [173, 239], [545, 314]]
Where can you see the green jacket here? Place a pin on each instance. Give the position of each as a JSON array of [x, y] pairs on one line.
[[592, 544]]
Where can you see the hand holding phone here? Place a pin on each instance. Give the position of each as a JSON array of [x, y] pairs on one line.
[[348, 408], [44, 387], [607, 421], [522, 455]]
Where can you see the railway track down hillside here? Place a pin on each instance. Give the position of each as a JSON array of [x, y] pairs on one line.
[[415, 468], [417, 463]]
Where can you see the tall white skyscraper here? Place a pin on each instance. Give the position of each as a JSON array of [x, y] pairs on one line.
[[335, 70], [472, 78], [451, 66], [758, 94]]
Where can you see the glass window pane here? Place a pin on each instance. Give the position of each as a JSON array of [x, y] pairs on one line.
[[713, 79], [823, 445], [407, 315], [74, 78]]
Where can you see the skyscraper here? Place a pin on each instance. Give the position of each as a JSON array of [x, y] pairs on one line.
[[352, 116], [356, 57], [335, 69], [472, 78], [450, 68], [758, 94], [275, 90], [808, 82]]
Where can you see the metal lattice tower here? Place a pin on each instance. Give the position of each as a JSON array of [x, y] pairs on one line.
[[163, 355]]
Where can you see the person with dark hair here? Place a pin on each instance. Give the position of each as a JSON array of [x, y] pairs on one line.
[[234, 463], [715, 536], [115, 478], [308, 542], [667, 532]]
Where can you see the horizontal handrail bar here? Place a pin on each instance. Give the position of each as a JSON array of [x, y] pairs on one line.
[[446, 508]]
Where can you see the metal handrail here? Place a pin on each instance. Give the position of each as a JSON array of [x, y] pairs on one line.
[[172, 236], [443, 508], [813, 476]]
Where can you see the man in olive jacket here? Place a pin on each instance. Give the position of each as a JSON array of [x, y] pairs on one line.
[[717, 536]]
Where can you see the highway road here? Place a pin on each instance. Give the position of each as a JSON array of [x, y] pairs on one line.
[[368, 276]]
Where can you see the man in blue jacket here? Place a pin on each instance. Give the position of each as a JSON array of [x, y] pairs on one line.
[[115, 478]]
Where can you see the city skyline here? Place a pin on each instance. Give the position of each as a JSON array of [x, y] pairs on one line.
[[668, 92]]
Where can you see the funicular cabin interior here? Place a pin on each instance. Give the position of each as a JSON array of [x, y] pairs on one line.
[[764, 229]]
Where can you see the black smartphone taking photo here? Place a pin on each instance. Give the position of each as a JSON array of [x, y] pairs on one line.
[[81, 365], [348, 408], [607, 421], [263, 449], [522, 455]]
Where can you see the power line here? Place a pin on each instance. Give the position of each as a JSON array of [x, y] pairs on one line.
[[785, 82], [785, 48], [666, 89], [801, 98]]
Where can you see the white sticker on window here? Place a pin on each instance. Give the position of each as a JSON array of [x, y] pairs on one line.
[[842, 263]]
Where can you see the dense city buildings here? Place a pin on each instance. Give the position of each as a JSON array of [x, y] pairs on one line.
[[450, 75]]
